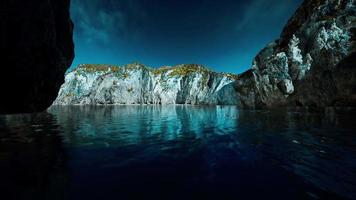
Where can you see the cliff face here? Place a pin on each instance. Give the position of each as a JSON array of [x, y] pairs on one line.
[[312, 64], [137, 84], [37, 47]]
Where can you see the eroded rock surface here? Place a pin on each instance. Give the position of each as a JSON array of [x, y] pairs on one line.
[[312, 64], [137, 84]]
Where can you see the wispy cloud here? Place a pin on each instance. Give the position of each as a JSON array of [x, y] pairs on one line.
[[264, 13], [98, 21], [218, 33]]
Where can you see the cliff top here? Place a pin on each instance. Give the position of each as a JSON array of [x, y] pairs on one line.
[[178, 70]]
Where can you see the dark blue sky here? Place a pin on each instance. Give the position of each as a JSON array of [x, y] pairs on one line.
[[223, 35]]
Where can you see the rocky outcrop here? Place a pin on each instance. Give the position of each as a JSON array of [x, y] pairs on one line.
[[37, 48], [137, 84], [312, 64]]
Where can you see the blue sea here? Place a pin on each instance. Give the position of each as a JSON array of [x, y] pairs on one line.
[[177, 152]]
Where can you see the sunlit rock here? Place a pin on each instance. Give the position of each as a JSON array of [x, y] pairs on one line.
[[311, 64], [137, 84], [298, 65], [333, 38], [286, 86]]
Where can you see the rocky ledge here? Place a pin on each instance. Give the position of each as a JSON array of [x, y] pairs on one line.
[[138, 84]]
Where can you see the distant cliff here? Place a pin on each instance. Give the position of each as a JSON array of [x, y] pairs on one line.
[[137, 84], [312, 64]]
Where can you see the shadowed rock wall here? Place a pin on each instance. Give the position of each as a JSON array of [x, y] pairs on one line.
[[37, 48]]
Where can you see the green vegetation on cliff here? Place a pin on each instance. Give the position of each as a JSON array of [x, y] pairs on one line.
[[179, 70]]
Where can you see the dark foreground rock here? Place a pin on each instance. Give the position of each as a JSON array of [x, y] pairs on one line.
[[37, 48], [313, 63]]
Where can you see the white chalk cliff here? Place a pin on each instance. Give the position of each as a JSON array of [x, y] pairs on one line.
[[138, 84]]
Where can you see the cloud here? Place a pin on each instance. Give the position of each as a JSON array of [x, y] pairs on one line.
[[225, 32], [267, 14], [100, 22]]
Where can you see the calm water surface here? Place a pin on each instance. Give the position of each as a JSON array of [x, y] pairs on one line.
[[177, 152]]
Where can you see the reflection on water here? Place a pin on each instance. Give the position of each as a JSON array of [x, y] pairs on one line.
[[32, 160], [175, 152], [130, 125]]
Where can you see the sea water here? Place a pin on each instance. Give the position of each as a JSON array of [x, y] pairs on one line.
[[177, 152]]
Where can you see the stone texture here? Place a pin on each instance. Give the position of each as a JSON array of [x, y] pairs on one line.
[[137, 84], [37, 48], [312, 64]]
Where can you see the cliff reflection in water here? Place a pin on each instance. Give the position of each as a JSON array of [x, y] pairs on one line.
[[175, 152], [127, 125]]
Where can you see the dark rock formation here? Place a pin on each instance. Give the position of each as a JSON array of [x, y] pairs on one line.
[[37, 48], [312, 64]]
